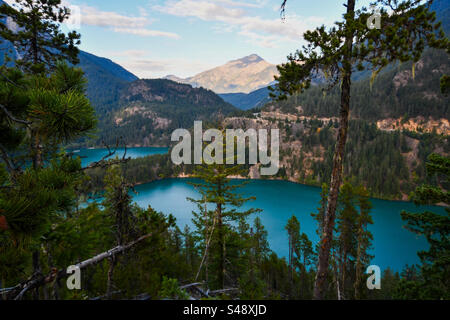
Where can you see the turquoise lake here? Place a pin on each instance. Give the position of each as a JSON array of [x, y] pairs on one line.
[[91, 155], [393, 245]]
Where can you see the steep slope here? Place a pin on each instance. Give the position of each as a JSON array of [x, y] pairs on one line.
[[147, 111], [237, 76], [6, 47], [105, 80], [246, 101], [394, 94], [442, 9]]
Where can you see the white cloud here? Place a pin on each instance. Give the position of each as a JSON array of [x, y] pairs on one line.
[[142, 11], [128, 53], [148, 68], [136, 25], [200, 9], [265, 32], [93, 17], [141, 63], [249, 4], [147, 33]]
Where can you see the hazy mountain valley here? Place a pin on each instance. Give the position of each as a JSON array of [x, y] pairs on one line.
[[405, 116]]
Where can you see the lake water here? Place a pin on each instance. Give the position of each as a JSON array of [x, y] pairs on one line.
[[393, 245], [91, 155]]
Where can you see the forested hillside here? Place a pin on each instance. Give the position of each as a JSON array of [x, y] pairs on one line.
[[147, 111], [105, 79], [400, 92]]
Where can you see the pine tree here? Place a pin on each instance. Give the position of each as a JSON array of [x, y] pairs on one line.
[[364, 238], [435, 268], [261, 245], [39, 112], [293, 229], [217, 190], [255, 250], [346, 242], [406, 29], [37, 36], [319, 216]]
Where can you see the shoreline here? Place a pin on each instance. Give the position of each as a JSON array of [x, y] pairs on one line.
[[185, 176], [291, 180]]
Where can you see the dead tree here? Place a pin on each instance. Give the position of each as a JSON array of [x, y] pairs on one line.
[[37, 280]]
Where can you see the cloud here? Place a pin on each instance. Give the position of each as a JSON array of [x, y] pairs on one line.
[[128, 53], [200, 9], [148, 68], [147, 33], [93, 17], [136, 25], [250, 4], [265, 32]]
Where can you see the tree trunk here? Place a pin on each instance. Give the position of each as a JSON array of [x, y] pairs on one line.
[[36, 281], [36, 270], [109, 284], [344, 275], [221, 269], [358, 270], [358, 274], [36, 151], [334, 267], [336, 175]]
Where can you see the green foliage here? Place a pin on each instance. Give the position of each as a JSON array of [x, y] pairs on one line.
[[405, 31], [41, 189], [445, 84], [394, 93], [160, 106], [38, 39], [434, 271], [214, 225], [171, 290], [351, 244]]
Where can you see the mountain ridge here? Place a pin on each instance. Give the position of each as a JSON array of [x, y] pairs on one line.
[[242, 75], [246, 101], [148, 110]]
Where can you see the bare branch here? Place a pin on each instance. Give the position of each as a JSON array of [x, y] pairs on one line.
[[283, 10], [37, 280], [10, 116], [10, 81], [102, 163], [12, 167]]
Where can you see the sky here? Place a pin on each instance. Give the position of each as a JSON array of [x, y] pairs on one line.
[[154, 38]]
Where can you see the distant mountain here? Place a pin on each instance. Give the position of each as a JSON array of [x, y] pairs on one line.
[[246, 101], [6, 47], [105, 80], [237, 76], [442, 8], [104, 77], [147, 111], [106, 65]]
